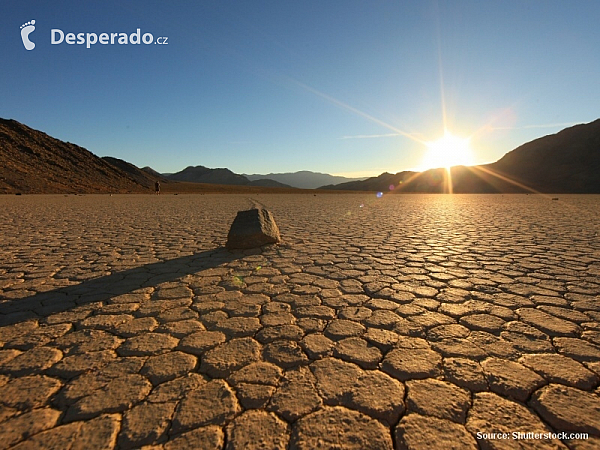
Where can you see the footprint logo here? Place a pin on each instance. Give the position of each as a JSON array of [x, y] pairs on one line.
[[26, 30]]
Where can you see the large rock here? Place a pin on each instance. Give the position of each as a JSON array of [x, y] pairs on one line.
[[252, 228]]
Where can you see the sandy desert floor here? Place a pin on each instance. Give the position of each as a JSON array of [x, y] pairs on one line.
[[407, 321]]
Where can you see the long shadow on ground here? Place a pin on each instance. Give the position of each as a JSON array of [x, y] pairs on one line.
[[101, 289]]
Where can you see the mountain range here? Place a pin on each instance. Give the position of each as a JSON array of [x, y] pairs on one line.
[[565, 162], [33, 162], [304, 179], [201, 174]]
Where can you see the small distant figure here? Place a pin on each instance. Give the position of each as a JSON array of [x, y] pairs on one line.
[[157, 188]]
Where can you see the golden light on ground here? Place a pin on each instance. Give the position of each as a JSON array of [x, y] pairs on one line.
[[448, 151]]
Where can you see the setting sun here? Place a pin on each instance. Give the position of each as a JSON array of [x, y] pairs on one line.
[[448, 151]]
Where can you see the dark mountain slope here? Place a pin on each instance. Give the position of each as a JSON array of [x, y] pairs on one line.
[[136, 174], [568, 161], [33, 162]]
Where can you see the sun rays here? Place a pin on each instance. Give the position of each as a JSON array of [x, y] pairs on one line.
[[448, 151], [397, 131]]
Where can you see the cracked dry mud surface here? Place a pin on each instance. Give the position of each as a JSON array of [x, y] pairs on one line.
[[408, 321]]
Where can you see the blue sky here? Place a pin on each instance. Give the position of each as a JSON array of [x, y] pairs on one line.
[[343, 87]]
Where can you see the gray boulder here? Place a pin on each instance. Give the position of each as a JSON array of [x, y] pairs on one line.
[[252, 228]]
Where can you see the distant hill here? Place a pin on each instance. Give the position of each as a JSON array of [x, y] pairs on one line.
[[140, 176], [201, 174], [304, 179], [379, 183], [154, 174], [568, 161], [565, 162], [33, 162]]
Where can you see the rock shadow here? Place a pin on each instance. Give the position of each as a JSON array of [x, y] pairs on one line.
[[103, 288]]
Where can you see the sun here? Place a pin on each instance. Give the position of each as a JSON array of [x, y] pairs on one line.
[[448, 151]]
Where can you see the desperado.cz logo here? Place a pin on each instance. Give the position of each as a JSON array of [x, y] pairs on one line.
[[89, 39], [58, 36], [26, 29]]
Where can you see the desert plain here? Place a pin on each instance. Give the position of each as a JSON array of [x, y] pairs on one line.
[[391, 322]]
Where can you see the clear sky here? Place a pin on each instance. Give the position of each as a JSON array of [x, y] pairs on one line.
[[343, 87]]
